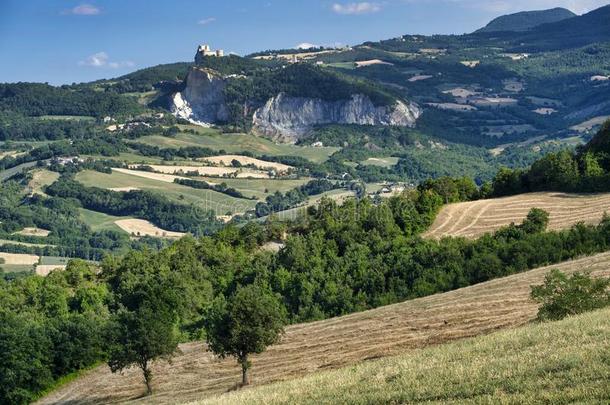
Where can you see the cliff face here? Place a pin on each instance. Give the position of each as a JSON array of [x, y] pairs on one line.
[[290, 118], [284, 118], [202, 101]]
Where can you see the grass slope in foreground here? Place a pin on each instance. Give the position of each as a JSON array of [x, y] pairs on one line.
[[307, 348], [557, 362]]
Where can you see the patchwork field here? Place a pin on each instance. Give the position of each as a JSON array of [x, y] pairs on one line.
[[207, 199], [236, 143], [318, 346], [475, 218]]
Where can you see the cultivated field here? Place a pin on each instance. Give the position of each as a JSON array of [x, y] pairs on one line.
[[19, 259], [334, 343], [44, 269], [473, 219], [226, 160], [140, 227], [552, 363], [166, 178], [208, 171]]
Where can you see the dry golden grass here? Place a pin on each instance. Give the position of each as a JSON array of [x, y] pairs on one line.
[[44, 269], [542, 363], [33, 232], [225, 160], [19, 259], [140, 227], [165, 178], [331, 344], [473, 219], [206, 171]]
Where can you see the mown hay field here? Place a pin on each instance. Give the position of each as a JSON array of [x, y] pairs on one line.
[[475, 218], [331, 344], [552, 363]]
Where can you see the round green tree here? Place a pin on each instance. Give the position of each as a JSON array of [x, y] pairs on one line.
[[247, 323]]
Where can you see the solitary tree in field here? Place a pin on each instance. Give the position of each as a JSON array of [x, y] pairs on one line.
[[144, 323], [140, 337], [247, 323]]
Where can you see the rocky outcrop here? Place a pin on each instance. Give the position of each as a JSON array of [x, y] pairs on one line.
[[202, 101], [291, 118]]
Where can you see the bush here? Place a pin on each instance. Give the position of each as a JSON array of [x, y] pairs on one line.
[[563, 295]]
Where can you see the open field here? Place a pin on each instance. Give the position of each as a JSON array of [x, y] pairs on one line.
[[140, 227], [99, 221], [44, 269], [40, 179], [381, 162], [14, 242], [307, 348], [226, 160], [555, 362], [236, 143], [33, 232], [475, 218], [256, 187], [209, 171], [19, 259], [207, 199], [166, 178], [590, 124]]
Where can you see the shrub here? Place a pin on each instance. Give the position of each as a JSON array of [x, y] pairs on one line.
[[563, 295]]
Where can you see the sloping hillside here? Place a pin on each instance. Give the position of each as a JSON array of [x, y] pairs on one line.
[[334, 343], [475, 218], [557, 362], [526, 20]]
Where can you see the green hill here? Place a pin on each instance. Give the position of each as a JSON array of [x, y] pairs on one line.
[[527, 20], [558, 362]]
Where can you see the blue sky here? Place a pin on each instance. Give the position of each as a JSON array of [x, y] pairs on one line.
[[61, 41]]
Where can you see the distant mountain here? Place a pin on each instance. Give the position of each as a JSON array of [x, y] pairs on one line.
[[527, 20], [572, 32]]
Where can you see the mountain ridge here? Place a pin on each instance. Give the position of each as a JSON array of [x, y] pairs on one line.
[[526, 20]]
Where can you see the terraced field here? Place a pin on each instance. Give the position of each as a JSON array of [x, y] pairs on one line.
[[475, 218], [307, 348]]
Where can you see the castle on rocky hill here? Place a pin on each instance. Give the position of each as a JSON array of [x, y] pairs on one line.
[[205, 50]]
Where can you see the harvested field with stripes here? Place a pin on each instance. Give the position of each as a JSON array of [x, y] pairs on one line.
[[475, 218], [307, 348]]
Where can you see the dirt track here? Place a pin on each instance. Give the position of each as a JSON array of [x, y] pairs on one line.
[[307, 348], [473, 219]]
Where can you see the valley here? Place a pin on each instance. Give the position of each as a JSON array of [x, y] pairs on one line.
[[421, 218]]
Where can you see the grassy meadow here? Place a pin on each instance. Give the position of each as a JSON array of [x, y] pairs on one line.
[[559, 362]]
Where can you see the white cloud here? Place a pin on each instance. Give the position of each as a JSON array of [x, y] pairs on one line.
[[206, 21], [356, 8], [102, 60], [83, 9], [306, 45]]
